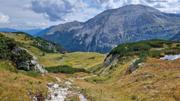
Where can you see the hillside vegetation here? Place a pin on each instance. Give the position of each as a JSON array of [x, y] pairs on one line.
[[17, 85], [150, 48], [134, 72], [54, 57], [19, 79], [10, 50], [155, 80], [19, 49], [75, 59], [28, 40], [130, 72], [136, 53]]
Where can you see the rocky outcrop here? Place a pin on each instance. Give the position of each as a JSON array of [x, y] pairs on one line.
[[21, 57], [37, 67], [111, 60], [25, 61], [133, 66]]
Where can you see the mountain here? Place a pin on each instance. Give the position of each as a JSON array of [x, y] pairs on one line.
[[130, 23], [29, 31], [7, 30], [33, 32], [176, 37]]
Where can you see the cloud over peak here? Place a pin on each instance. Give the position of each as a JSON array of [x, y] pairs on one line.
[[44, 13], [57, 10]]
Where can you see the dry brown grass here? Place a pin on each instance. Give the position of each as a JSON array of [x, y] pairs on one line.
[[17, 86], [156, 80]]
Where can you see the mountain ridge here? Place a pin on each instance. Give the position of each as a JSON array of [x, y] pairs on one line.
[[115, 26]]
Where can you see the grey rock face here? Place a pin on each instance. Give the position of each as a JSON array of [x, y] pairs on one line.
[[37, 67], [176, 37], [111, 60], [25, 61], [112, 27]]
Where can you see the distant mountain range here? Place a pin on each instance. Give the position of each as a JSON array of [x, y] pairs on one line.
[[33, 32], [29, 31], [8, 30], [115, 26]]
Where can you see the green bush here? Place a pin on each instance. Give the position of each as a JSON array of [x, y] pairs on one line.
[[10, 50], [155, 54], [64, 69], [6, 45], [153, 48]]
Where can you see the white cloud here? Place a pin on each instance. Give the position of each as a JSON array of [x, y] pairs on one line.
[[4, 18], [57, 9], [69, 10], [44, 13], [170, 6]]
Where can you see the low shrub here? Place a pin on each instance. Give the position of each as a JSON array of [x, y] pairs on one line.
[[152, 48], [29, 73], [64, 69]]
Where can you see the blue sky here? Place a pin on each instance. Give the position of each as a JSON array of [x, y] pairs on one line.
[[23, 14]]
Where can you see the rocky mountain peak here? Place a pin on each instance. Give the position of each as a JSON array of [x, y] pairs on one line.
[[115, 26]]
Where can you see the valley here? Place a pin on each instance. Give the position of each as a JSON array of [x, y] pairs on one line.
[[90, 50], [32, 85], [130, 72]]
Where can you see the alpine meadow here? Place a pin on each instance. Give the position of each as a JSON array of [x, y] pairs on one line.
[[90, 50]]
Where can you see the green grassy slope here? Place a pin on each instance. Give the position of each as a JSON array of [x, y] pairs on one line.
[[135, 53], [17, 85], [152, 80], [54, 58], [153, 48]]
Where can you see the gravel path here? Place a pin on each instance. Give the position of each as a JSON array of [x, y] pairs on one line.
[[61, 92]]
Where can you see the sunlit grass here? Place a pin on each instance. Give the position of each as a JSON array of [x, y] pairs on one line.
[[76, 59], [17, 86], [156, 80]]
